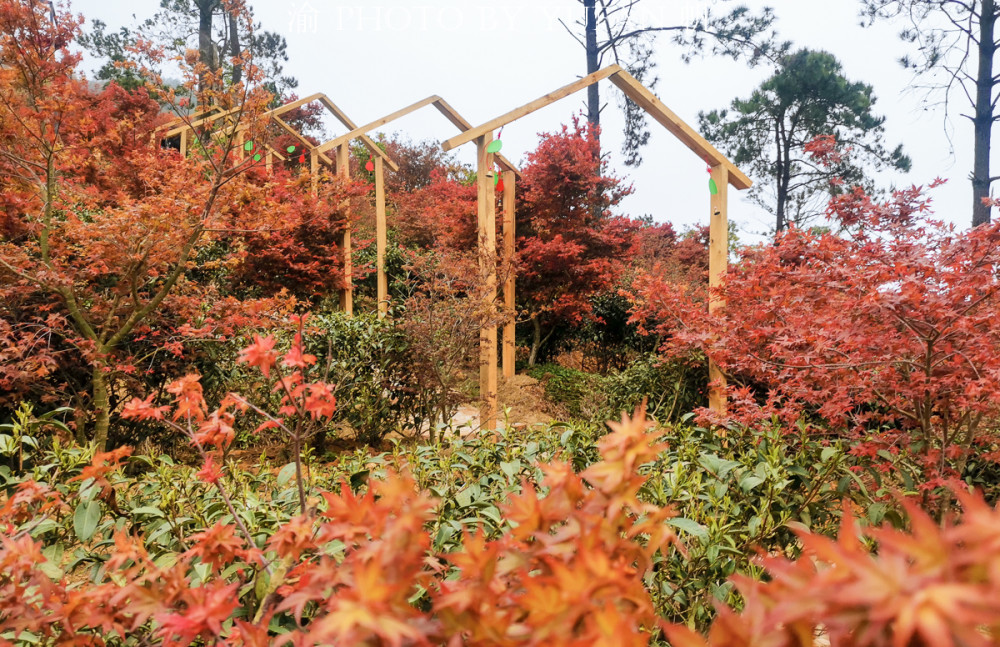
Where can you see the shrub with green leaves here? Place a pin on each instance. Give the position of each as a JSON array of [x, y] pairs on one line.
[[736, 494], [368, 360], [671, 388], [578, 392]]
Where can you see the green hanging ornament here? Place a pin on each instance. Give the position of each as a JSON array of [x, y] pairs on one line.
[[256, 157], [248, 146], [713, 188], [494, 146]]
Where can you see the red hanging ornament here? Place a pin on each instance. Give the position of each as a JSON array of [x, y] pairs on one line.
[[370, 166], [302, 158]]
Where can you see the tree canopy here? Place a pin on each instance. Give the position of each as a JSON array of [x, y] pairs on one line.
[[769, 132]]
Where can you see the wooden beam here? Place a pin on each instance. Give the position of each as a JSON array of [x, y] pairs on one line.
[[323, 157], [185, 125], [380, 238], [342, 117], [718, 261], [275, 152], [527, 109], [509, 240], [462, 124], [378, 123], [314, 173], [442, 106], [280, 110], [669, 120], [452, 115], [302, 140], [487, 267], [347, 294], [182, 120]]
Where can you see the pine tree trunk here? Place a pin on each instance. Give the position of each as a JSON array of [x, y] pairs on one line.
[[784, 175], [593, 60], [983, 121], [205, 10], [102, 407]]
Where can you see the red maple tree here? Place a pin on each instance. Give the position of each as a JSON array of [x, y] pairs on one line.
[[886, 330], [107, 238], [570, 245]]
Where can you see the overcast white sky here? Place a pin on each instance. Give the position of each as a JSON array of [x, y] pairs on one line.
[[372, 57]]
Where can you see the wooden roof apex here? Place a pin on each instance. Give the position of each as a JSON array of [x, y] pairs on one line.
[[635, 91]]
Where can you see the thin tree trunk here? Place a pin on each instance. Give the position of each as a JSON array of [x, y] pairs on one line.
[[536, 340], [593, 92], [80, 420], [784, 176], [983, 121], [235, 49], [102, 407]]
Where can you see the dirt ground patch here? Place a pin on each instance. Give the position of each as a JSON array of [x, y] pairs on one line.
[[525, 397]]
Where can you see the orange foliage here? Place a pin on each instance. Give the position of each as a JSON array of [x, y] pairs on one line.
[[568, 572]]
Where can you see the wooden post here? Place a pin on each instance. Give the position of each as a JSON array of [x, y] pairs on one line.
[[509, 234], [380, 237], [240, 140], [184, 143], [347, 295], [718, 260], [314, 173], [269, 162], [487, 266]]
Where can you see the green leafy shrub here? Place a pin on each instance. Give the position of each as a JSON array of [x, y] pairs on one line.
[[368, 360], [930, 585], [734, 495], [578, 392], [670, 388]]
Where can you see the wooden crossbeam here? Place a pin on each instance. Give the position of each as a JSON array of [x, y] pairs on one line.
[[442, 106], [197, 122], [550, 98], [634, 91], [342, 117], [275, 115], [655, 108], [452, 115], [378, 123], [302, 140]]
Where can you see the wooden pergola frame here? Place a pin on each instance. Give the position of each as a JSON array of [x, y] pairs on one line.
[[317, 155], [723, 171], [510, 175]]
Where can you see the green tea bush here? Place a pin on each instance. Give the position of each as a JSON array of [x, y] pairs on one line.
[[368, 360], [737, 494], [576, 391], [671, 389]]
